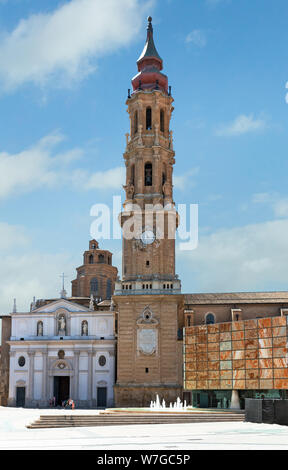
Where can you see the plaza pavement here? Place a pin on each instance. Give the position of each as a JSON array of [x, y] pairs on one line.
[[197, 436]]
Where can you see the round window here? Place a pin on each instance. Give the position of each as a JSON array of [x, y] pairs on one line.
[[102, 361], [21, 361]]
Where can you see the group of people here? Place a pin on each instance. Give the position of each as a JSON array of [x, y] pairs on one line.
[[70, 404]]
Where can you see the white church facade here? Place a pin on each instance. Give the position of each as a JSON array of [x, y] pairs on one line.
[[62, 350]]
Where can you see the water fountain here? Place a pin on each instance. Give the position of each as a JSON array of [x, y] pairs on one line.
[[176, 406]]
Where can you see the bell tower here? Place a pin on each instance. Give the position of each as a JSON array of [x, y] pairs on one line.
[[149, 255], [148, 300]]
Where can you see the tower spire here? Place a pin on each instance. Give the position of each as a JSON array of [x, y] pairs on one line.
[[149, 66], [149, 48]]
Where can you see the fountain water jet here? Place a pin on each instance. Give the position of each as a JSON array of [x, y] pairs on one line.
[[176, 406]]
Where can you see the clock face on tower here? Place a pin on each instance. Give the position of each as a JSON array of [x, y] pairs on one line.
[[148, 237]]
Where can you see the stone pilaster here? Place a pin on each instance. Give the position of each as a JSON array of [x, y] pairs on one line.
[[90, 378], [30, 392], [76, 375], [44, 378], [12, 388]]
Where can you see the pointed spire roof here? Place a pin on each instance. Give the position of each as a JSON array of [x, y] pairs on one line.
[[150, 65], [150, 50]]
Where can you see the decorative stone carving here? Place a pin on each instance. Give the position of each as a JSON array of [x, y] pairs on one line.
[[156, 141], [147, 333], [147, 340], [167, 189], [140, 141], [129, 188]]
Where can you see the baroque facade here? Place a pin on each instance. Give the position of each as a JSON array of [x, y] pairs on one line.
[[62, 350]]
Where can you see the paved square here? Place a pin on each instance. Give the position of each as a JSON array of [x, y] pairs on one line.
[[198, 436]]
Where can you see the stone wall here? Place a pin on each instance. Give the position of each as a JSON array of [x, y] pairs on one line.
[[141, 396]]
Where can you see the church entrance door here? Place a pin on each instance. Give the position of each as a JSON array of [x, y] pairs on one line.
[[61, 389], [101, 397], [20, 396]]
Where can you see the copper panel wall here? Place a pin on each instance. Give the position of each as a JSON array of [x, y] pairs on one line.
[[250, 354]]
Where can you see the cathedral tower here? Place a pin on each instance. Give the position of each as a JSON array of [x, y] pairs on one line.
[[148, 299], [97, 275]]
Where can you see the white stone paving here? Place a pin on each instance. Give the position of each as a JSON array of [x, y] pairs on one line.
[[196, 436]]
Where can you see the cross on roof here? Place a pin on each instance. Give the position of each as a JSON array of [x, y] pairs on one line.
[[63, 280]]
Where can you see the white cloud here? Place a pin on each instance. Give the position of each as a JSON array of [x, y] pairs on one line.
[[113, 178], [197, 37], [181, 182], [41, 166], [11, 237], [253, 257], [63, 45], [241, 125], [278, 204], [33, 168]]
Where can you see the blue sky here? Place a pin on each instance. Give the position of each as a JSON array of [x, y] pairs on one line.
[[65, 68]]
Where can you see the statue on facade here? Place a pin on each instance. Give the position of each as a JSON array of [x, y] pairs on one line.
[[129, 188], [62, 325], [33, 305], [39, 328], [91, 303], [167, 190], [84, 331]]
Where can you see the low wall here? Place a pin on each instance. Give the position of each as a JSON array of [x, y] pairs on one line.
[[266, 411]]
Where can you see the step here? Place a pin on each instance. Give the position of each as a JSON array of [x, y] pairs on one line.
[[74, 422]]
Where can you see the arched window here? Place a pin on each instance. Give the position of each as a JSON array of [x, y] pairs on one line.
[[162, 121], [101, 258], [91, 259], [94, 286], [133, 174], [148, 174], [210, 319], [148, 119], [135, 122], [108, 289]]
